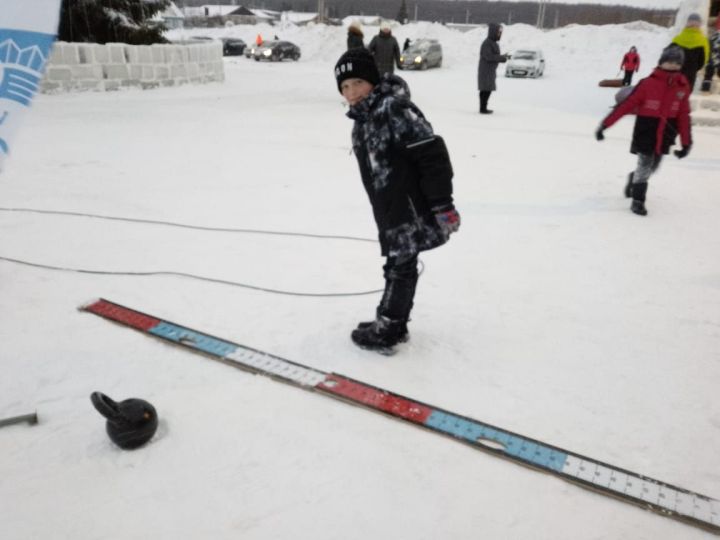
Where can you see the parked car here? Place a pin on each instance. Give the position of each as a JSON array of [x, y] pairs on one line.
[[233, 46], [422, 54], [249, 51], [525, 63], [276, 51]]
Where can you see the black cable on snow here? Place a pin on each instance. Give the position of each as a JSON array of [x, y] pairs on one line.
[[184, 274], [187, 226]]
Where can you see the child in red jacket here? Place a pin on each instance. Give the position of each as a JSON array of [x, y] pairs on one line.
[[630, 64], [661, 104]]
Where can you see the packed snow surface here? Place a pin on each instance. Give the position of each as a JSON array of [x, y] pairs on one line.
[[554, 312]]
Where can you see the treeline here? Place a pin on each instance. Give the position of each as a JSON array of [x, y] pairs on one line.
[[467, 11]]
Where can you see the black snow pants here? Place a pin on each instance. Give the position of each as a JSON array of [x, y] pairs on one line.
[[401, 276]]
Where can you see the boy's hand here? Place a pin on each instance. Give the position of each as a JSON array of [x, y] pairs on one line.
[[682, 153], [448, 218], [599, 135]]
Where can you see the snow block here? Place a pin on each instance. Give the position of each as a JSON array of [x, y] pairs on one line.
[[82, 66], [82, 72], [70, 55], [86, 52], [59, 74], [158, 53], [101, 54], [116, 72], [116, 52]]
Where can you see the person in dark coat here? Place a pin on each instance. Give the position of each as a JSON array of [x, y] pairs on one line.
[[406, 44], [630, 64], [695, 46], [490, 57], [385, 49], [406, 172], [355, 37], [661, 103]]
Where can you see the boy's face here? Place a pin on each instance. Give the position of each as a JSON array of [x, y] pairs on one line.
[[355, 90], [670, 66]]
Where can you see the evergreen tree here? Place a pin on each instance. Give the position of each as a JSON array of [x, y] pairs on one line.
[[103, 21], [402, 16]]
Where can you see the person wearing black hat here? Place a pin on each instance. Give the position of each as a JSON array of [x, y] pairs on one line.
[[661, 103], [406, 172]]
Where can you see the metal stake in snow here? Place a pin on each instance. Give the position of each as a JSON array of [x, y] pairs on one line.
[[660, 497], [29, 418]]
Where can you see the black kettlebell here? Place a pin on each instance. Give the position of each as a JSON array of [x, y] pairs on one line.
[[130, 423]]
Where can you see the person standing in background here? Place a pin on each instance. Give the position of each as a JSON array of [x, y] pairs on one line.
[[355, 37], [630, 64], [695, 46], [385, 49], [490, 57]]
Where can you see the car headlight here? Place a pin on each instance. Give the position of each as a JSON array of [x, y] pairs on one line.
[[402, 59], [267, 53], [418, 59]]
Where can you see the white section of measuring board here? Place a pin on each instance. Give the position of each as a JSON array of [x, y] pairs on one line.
[[644, 490], [277, 366]]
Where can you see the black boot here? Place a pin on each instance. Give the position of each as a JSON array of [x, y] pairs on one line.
[[484, 97], [404, 334], [638, 195], [380, 335], [628, 186]]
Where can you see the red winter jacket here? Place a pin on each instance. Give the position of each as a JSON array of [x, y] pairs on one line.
[[630, 62], [661, 104]]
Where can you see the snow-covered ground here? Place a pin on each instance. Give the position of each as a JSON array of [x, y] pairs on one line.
[[554, 312]]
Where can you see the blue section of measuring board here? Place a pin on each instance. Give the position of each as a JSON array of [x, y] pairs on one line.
[[203, 342], [517, 447]]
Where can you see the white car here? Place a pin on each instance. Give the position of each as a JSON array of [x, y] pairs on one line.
[[525, 63]]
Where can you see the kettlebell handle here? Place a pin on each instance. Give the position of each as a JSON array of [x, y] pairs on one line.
[[105, 406]]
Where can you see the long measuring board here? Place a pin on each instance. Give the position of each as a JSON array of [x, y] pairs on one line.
[[666, 499]]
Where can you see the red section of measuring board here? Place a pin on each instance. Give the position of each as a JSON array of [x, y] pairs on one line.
[[122, 315], [376, 398]]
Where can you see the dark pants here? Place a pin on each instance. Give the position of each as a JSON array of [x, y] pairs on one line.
[[647, 164], [484, 97], [627, 81], [401, 277]]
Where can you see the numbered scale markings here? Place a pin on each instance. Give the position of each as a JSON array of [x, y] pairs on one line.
[[651, 494]]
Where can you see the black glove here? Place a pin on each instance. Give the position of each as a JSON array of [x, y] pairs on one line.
[[447, 218], [599, 135], [682, 153]]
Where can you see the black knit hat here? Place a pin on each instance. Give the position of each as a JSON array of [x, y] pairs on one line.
[[672, 54], [356, 64]]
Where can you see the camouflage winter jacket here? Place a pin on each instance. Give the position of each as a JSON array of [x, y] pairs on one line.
[[405, 168]]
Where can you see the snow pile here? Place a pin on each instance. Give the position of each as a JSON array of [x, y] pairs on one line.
[[572, 47]]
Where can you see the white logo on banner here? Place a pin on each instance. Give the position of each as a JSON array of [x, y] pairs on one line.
[[26, 37]]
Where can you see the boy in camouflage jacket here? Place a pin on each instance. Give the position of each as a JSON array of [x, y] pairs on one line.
[[406, 172]]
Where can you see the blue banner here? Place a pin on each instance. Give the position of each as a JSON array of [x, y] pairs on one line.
[[27, 32]]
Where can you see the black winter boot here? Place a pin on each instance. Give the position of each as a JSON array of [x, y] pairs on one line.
[[404, 334], [628, 186], [381, 335], [638, 195]]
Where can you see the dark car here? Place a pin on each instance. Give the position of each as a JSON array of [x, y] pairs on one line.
[[276, 51], [422, 54], [233, 46]]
